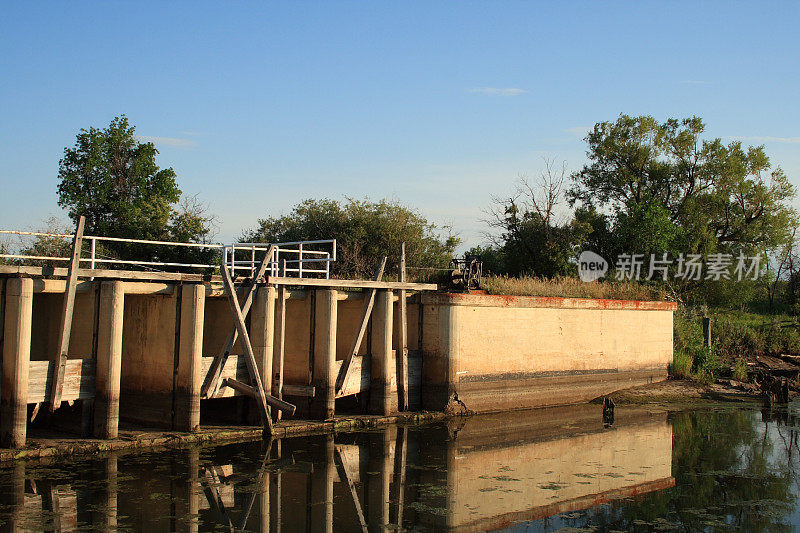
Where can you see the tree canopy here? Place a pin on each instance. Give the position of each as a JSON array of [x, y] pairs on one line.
[[365, 231], [669, 190], [112, 179]]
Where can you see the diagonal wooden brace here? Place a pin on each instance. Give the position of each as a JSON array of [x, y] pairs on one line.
[[250, 358], [212, 382], [369, 301], [59, 358]]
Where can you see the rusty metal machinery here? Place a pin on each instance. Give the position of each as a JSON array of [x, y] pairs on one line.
[[466, 273]]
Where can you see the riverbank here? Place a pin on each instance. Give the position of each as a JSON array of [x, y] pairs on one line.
[[686, 391]]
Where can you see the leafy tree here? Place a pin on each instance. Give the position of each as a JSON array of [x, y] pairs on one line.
[[365, 231], [670, 190], [533, 241], [113, 180]]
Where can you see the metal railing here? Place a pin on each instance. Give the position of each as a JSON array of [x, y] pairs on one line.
[[289, 258]]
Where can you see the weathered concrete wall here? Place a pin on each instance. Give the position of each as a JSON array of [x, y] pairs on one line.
[[46, 320], [498, 353]]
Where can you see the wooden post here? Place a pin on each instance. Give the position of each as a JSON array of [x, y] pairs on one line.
[[280, 348], [402, 342], [190, 354], [707, 333], [59, 359], [262, 332], [326, 319], [381, 399], [109, 360], [16, 361]]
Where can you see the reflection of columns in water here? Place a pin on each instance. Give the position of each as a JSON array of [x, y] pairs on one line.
[[104, 509], [379, 477], [12, 497], [275, 494], [321, 511], [193, 489]]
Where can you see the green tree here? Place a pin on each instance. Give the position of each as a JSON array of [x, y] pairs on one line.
[[113, 180], [365, 231], [671, 191], [533, 239]]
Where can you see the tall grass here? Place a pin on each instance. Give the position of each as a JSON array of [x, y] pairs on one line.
[[568, 287]]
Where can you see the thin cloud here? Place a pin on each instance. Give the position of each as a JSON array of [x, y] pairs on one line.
[[168, 141], [695, 82], [787, 140], [498, 91], [579, 131]]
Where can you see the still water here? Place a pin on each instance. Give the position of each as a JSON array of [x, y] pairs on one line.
[[712, 469]]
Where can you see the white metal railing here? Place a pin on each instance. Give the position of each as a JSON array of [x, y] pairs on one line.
[[289, 258]]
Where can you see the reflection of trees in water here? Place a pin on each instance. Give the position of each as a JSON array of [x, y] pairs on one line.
[[731, 469]]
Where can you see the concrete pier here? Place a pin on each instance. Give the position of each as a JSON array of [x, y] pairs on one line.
[[18, 317], [109, 360]]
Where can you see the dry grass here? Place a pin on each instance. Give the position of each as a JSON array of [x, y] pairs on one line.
[[567, 287]]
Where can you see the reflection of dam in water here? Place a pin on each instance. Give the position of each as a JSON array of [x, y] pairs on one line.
[[485, 472]]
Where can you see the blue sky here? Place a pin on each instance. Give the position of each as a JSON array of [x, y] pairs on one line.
[[439, 105]]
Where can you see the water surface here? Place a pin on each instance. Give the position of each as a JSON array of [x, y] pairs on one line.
[[709, 469]]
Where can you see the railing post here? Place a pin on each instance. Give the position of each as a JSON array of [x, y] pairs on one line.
[[300, 262], [252, 260], [94, 248]]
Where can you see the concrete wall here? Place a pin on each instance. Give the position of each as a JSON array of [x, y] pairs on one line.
[[499, 353]]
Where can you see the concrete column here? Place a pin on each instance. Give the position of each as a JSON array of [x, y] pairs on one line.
[[109, 360], [190, 358], [382, 399], [16, 361], [321, 512], [262, 333], [325, 320]]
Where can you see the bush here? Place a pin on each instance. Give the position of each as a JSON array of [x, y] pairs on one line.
[[681, 366]]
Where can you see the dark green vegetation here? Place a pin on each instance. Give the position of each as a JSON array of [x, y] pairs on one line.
[[113, 180], [364, 231]]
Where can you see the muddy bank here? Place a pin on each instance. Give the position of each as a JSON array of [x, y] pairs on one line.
[[684, 391]]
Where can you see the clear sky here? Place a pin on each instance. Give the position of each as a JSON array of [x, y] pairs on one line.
[[439, 105]]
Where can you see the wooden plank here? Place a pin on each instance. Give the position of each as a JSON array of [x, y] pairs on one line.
[[247, 390], [351, 284], [236, 368], [360, 367], [79, 380], [251, 358], [212, 381], [369, 301], [299, 390], [402, 342], [59, 358]]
